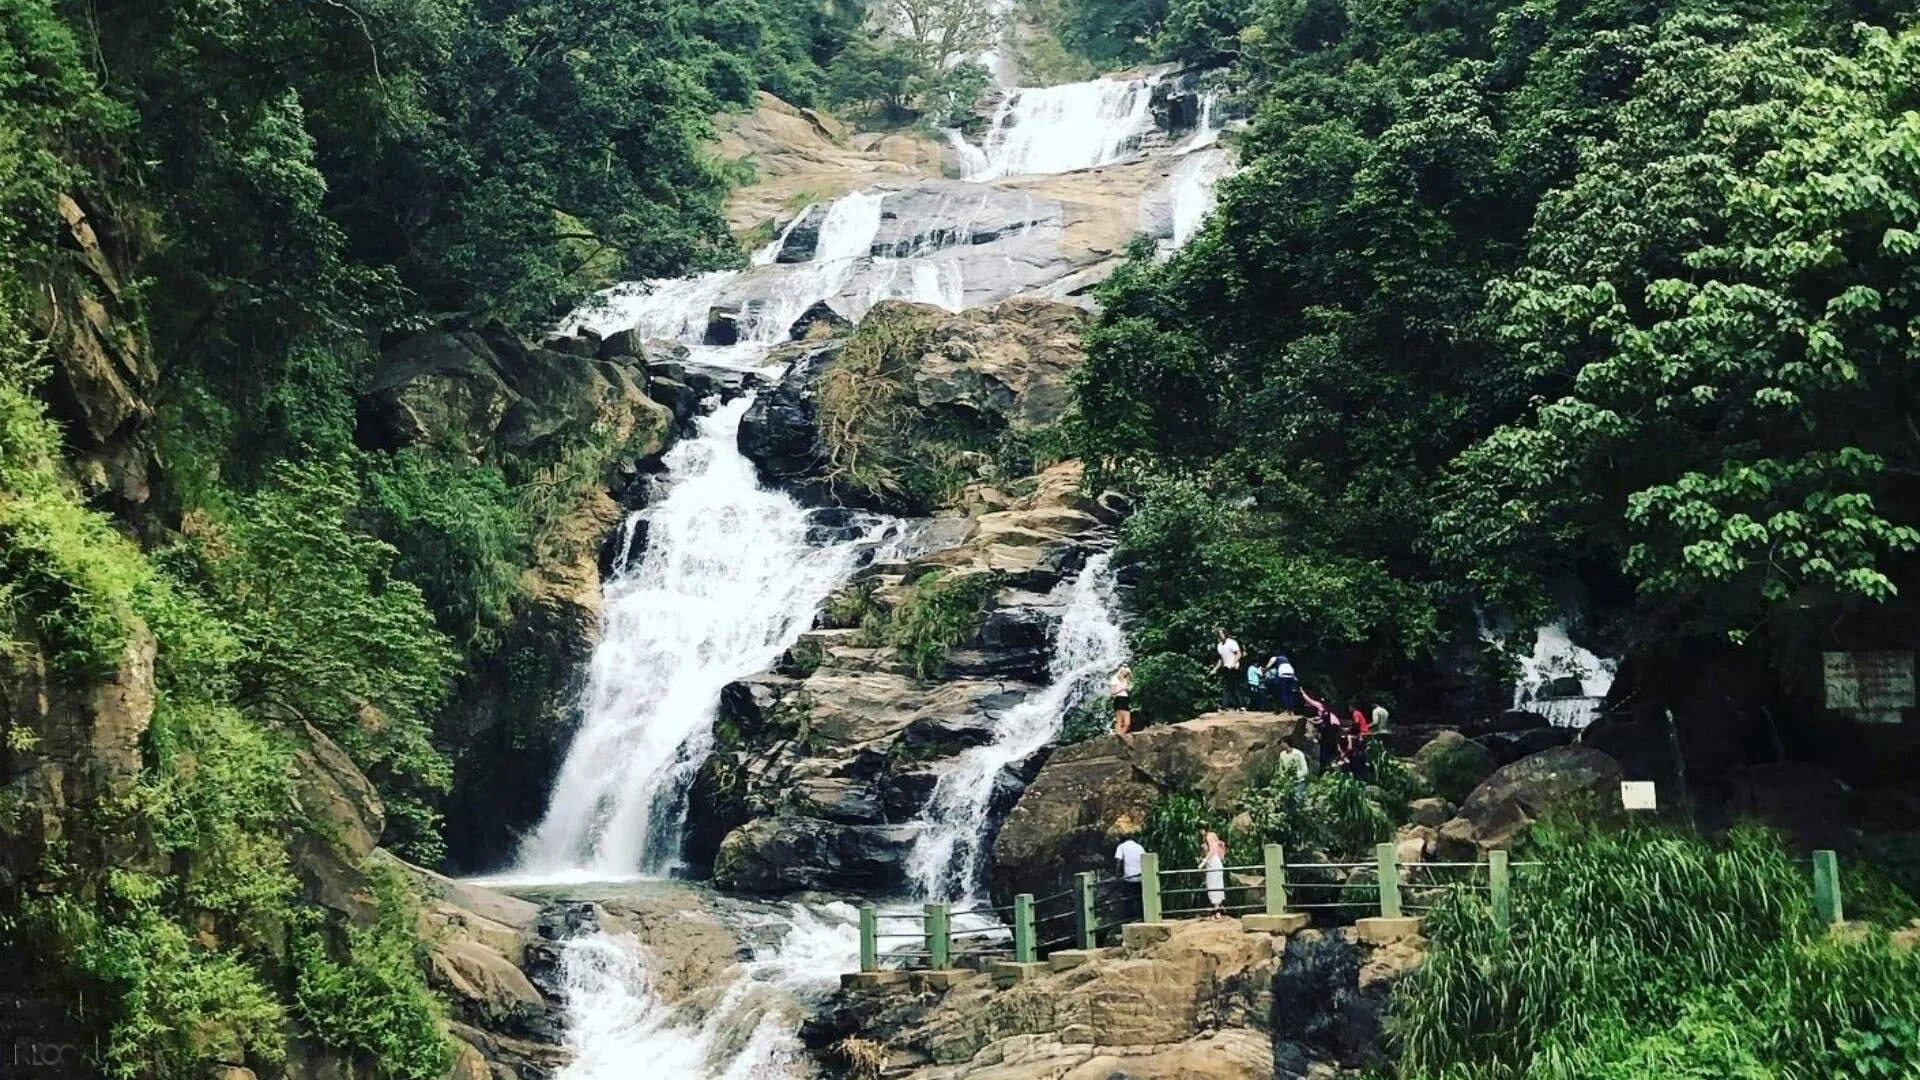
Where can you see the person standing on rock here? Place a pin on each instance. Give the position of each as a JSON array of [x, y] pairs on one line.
[[1228, 667], [1213, 859], [1120, 689], [1293, 763], [1256, 687], [1283, 686], [1128, 856]]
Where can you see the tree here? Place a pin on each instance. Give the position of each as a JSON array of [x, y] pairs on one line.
[[944, 31]]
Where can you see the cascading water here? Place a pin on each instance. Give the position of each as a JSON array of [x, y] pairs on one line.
[[617, 1023], [1191, 192], [1058, 129], [1561, 680], [729, 579], [947, 859]]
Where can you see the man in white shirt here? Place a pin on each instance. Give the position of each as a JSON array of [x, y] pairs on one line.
[[1128, 856], [1228, 667]]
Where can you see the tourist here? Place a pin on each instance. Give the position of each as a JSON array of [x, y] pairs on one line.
[[1379, 717], [1213, 860], [1128, 855], [1228, 667], [1256, 689], [1293, 763], [1120, 689], [1283, 687], [1353, 746], [1326, 730]]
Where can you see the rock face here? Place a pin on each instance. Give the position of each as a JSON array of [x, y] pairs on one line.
[[488, 397], [984, 371], [1212, 1002], [823, 765], [1088, 795]]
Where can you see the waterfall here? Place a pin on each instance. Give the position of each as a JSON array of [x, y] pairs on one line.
[[1058, 129], [948, 855], [1191, 191], [1562, 681], [618, 1025], [727, 581]]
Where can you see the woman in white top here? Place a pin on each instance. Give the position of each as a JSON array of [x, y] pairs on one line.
[[1120, 689], [1213, 859]]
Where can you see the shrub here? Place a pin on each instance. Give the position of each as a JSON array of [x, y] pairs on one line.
[[460, 536], [1654, 953], [1169, 688], [942, 610], [369, 996], [1454, 770], [1089, 717], [1350, 820]]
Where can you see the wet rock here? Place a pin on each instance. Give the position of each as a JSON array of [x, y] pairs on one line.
[[1429, 812], [780, 432], [723, 326], [1330, 1000], [437, 390], [1089, 794], [838, 799], [1508, 747], [802, 238], [819, 321], [791, 854]]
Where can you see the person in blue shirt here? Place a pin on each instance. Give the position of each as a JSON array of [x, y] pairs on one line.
[[1256, 687]]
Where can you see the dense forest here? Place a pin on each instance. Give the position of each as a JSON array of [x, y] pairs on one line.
[[1522, 309]]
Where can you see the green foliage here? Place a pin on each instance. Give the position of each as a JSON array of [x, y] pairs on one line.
[[942, 610], [878, 74], [882, 447], [1514, 293], [331, 636], [368, 996], [1454, 770], [849, 605], [1170, 688], [1174, 830], [176, 1004], [460, 537], [1655, 954], [1089, 717]]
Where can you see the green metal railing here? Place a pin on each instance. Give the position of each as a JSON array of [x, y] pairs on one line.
[[1078, 917]]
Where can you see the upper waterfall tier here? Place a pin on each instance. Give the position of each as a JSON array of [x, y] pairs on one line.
[[1058, 129]]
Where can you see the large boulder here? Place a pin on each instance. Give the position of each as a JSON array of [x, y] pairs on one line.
[[1453, 764], [343, 819], [1568, 779], [785, 854], [1090, 794], [780, 432]]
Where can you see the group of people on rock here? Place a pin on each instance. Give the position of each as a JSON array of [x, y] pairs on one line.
[[1273, 686]]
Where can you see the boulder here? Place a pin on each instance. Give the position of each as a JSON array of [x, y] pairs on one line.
[[1429, 812], [819, 321], [439, 390], [723, 326], [802, 238], [780, 431], [1330, 1000], [486, 988], [1453, 764], [1090, 794], [1569, 779], [788, 853]]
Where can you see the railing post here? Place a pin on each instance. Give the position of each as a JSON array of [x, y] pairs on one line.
[[939, 937], [1498, 889], [1275, 858], [1023, 928], [869, 938], [1150, 887], [1826, 887], [1385, 855], [1084, 923]]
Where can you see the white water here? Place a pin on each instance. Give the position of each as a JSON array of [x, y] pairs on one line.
[[619, 1027], [1192, 192], [948, 855], [1058, 129], [727, 582], [1555, 656]]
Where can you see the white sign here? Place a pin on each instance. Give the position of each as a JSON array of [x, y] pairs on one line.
[[1637, 794], [1872, 686]]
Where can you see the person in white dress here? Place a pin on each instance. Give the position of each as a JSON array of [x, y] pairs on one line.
[[1213, 859]]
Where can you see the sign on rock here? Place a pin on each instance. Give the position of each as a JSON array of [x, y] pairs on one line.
[[1875, 687]]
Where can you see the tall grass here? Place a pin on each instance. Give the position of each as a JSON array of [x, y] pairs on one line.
[[1654, 954]]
